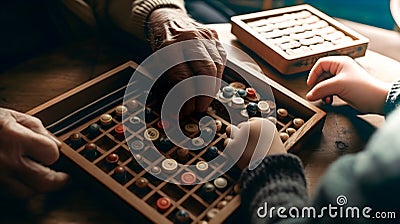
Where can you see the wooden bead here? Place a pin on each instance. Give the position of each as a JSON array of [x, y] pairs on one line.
[[112, 158], [290, 131], [75, 137], [141, 182], [191, 128], [182, 153], [237, 85], [284, 136], [298, 122], [155, 170], [120, 173], [282, 113], [212, 213], [222, 204], [218, 124], [132, 105]]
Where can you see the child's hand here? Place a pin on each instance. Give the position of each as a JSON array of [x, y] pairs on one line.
[[342, 76], [253, 140]]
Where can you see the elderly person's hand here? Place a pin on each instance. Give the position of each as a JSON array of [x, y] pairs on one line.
[[26, 149], [167, 26]]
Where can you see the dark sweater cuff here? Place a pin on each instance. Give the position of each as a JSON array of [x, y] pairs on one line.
[[278, 180], [393, 98]]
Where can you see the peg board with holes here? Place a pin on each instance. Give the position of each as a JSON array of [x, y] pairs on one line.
[[292, 39], [87, 120]]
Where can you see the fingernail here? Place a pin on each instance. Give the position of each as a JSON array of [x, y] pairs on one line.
[[309, 94]]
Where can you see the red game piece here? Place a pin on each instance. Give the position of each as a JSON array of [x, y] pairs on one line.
[[328, 100], [188, 178], [163, 204], [162, 124], [251, 92], [120, 131]]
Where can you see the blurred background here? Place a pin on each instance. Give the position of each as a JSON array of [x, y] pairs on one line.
[[371, 12]]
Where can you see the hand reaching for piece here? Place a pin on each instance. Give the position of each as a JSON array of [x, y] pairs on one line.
[[168, 26], [25, 149], [342, 76], [258, 137]]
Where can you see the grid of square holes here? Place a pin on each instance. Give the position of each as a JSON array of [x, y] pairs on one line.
[[111, 154]]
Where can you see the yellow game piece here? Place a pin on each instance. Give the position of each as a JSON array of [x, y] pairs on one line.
[[218, 124], [212, 213], [298, 122], [290, 131], [191, 128], [105, 119], [151, 134], [282, 113], [222, 204], [284, 136], [120, 110], [237, 85], [141, 182]]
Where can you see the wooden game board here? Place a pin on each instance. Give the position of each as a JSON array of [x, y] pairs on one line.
[[72, 113], [292, 39]]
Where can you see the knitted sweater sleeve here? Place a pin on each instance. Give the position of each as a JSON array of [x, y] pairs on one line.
[[277, 182], [129, 15]]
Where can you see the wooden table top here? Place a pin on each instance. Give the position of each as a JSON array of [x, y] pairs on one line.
[[46, 76]]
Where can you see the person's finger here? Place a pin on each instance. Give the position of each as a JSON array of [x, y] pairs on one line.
[[33, 124], [38, 147], [325, 88], [201, 63], [218, 55], [175, 75], [41, 178], [231, 131], [16, 188], [329, 65]]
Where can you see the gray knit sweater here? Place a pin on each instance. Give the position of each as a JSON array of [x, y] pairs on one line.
[[360, 185]]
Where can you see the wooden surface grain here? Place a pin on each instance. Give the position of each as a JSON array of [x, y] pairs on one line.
[[46, 76]]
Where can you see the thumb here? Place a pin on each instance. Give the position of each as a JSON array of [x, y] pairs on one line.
[[41, 178], [325, 88]]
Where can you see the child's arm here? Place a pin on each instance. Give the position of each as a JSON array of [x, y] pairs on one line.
[[342, 76]]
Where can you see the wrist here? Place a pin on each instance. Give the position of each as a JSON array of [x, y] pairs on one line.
[[392, 98]]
